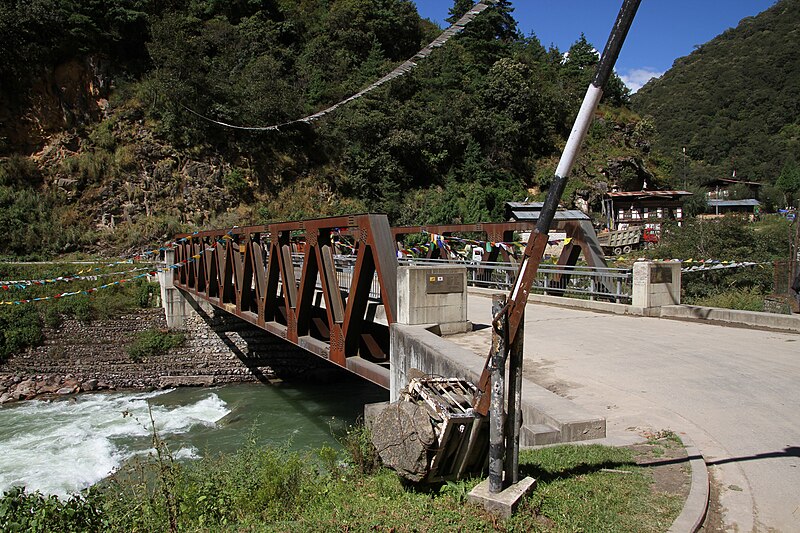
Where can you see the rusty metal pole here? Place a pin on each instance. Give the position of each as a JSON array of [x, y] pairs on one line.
[[497, 407], [514, 417]]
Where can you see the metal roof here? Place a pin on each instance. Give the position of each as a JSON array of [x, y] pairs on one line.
[[730, 181], [752, 202], [529, 206], [571, 214], [648, 194], [525, 211]]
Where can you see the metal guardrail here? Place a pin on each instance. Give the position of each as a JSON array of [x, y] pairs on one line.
[[584, 282], [615, 284], [345, 265]]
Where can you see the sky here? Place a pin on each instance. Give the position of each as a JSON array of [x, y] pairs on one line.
[[663, 30]]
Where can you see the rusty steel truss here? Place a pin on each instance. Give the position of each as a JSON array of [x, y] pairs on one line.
[[288, 279], [327, 285]]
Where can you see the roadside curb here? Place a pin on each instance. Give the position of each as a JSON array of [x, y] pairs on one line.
[[694, 510]]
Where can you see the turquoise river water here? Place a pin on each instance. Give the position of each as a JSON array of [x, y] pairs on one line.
[[63, 446]]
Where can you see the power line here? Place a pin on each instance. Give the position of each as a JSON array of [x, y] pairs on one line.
[[401, 70]]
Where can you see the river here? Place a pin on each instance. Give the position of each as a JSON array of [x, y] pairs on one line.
[[63, 446]]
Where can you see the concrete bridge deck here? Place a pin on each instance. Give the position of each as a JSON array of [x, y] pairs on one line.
[[733, 391]]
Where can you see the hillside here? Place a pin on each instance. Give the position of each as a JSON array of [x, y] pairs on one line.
[[98, 146], [734, 102]]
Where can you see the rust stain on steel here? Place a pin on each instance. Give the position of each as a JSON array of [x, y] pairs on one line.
[[252, 272]]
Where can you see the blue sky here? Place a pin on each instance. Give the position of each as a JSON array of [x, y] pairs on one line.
[[663, 31]]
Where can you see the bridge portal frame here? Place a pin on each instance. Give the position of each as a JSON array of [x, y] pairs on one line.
[[250, 272]]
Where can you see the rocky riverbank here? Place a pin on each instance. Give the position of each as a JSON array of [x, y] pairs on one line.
[[16, 387], [79, 357]]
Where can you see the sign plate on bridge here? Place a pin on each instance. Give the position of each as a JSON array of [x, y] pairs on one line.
[[661, 274], [444, 283]]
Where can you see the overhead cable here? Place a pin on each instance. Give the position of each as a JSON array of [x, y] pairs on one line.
[[402, 69]]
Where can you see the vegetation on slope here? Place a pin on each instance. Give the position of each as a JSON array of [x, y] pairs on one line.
[[733, 103], [21, 326], [477, 124]]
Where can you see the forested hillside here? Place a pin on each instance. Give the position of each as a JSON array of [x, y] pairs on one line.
[[734, 104], [99, 144]]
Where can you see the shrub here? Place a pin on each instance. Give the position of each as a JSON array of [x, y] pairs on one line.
[[236, 182], [153, 342], [146, 294], [77, 307], [261, 482], [20, 327], [744, 300], [19, 170], [52, 317], [34, 512], [103, 136], [357, 441]]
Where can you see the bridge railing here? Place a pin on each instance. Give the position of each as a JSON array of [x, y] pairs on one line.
[[556, 280], [345, 266], [572, 281]]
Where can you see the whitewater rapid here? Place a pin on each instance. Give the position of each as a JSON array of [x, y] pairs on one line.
[[64, 446]]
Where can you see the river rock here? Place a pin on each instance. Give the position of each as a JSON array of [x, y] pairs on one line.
[[63, 391], [90, 385], [25, 390], [50, 384], [403, 435], [6, 398]]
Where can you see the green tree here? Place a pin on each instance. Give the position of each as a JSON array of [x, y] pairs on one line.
[[789, 181]]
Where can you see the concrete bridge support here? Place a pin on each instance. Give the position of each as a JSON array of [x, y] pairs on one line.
[[176, 307]]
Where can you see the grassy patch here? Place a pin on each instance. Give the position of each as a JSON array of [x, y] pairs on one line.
[[153, 342], [580, 488]]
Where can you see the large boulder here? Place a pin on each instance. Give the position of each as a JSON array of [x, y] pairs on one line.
[[404, 436]]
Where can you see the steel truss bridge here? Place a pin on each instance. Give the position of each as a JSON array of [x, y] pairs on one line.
[[289, 280]]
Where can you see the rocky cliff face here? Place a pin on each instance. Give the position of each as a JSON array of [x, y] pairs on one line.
[[105, 170], [73, 93]]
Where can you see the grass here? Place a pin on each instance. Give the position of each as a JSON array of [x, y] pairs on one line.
[[580, 488], [21, 325], [153, 342], [742, 299]]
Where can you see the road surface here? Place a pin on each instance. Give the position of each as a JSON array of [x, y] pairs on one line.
[[735, 392]]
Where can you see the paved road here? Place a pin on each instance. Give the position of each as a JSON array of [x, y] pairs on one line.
[[735, 392]]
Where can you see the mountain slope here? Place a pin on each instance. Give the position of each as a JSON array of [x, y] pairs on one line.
[[733, 103]]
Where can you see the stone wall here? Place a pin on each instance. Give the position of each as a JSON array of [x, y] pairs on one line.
[[219, 348]]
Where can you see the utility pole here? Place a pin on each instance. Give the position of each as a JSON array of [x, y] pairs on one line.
[[796, 256], [508, 313], [685, 184]]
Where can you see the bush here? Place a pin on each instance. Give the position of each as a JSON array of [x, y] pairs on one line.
[[259, 484], [20, 328], [146, 294], [257, 481], [153, 342], [744, 300], [78, 307], [236, 182], [34, 512], [357, 441]]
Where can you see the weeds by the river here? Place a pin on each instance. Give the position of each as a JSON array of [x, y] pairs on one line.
[[274, 489]]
